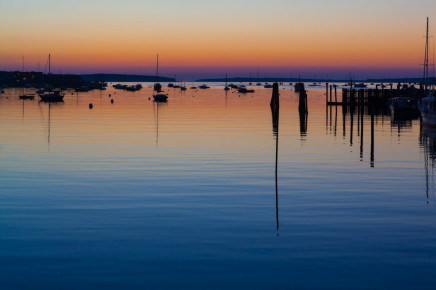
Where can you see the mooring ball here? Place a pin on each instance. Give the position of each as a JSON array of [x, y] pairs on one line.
[[90, 106], [149, 99], [110, 95], [112, 101]]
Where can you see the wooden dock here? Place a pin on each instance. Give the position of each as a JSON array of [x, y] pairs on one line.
[[369, 96]]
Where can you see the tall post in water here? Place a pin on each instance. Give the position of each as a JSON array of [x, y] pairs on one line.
[[275, 109], [372, 135], [362, 111], [302, 107], [331, 90]]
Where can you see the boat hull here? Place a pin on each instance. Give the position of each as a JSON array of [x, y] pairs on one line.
[[52, 97], [428, 119], [27, 97], [160, 98]]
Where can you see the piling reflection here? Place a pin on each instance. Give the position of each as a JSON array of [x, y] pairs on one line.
[[275, 110], [427, 142], [303, 112], [356, 117]]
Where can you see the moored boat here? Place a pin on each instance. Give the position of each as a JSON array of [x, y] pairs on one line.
[[245, 90], [160, 98], [27, 97], [428, 109], [404, 107], [53, 96]]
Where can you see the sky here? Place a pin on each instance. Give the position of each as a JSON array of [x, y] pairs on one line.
[[200, 39]]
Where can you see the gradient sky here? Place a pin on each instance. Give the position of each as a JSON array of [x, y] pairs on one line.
[[197, 38]]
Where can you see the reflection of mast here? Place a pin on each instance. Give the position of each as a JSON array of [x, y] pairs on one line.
[[158, 104], [426, 171], [157, 125], [275, 109], [372, 137], [49, 106], [336, 119], [351, 126], [361, 109], [428, 142]]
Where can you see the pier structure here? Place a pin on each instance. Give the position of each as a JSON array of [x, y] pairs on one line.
[[368, 97]]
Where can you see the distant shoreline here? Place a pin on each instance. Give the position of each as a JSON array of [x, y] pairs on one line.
[[313, 80], [13, 76]]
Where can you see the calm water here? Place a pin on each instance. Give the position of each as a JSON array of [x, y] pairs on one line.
[[137, 195]]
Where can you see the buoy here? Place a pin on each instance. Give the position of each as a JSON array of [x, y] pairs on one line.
[[149, 99], [112, 101], [90, 106], [110, 95]]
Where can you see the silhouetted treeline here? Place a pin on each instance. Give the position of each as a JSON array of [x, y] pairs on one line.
[[38, 79]]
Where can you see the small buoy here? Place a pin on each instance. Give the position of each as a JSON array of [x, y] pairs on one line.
[[112, 101], [110, 95], [90, 106]]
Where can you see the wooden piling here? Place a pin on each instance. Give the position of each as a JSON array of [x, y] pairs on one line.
[[331, 89], [275, 102], [302, 107]]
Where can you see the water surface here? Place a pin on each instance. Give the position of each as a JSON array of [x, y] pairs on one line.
[[183, 194]]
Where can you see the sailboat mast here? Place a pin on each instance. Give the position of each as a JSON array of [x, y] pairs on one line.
[[426, 58], [49, 60], [157, 68]]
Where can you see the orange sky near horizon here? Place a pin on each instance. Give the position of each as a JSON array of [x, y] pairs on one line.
[[194, 34]]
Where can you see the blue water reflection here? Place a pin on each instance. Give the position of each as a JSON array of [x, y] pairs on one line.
[[135, 195]]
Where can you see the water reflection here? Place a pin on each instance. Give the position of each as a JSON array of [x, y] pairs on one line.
[[49, 118], [25, 100], [275, 111], [203, 198], [371, 115], [348, 124], [428, 143], [159, 106]]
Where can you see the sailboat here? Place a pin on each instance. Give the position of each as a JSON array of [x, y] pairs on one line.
[[428, 104], [51, 96], [297, 86], [25, 96], [158, 87], [226, 88]]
